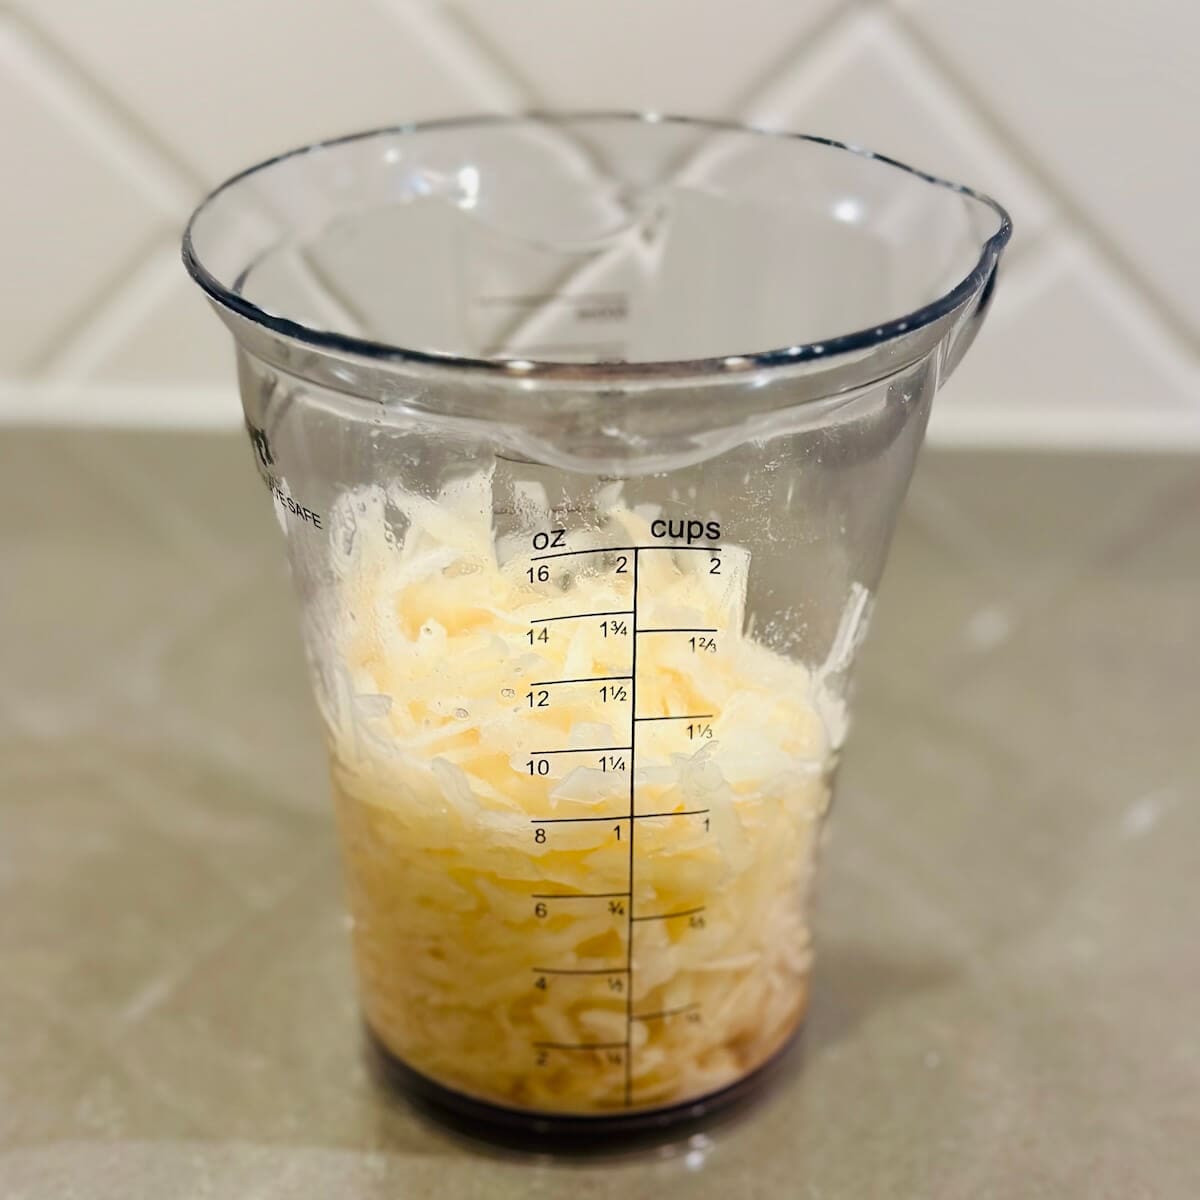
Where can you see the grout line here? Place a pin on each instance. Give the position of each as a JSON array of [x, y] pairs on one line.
[[1060, 253], [483, 49], [1139, 322], [451, 35], [465, 48], [877, 31], [1074, 214], [458, 45], [72, 331], [336, 308], [795, 60], [1025, 252], [132, 295], [104, 121], [82, 104]]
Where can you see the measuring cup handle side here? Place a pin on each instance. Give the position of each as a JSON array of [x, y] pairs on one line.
[[960, 340]]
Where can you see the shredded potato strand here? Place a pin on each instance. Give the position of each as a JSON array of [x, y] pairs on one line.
[[432, 734]]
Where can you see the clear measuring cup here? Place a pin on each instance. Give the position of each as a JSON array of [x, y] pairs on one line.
[[586, 436]]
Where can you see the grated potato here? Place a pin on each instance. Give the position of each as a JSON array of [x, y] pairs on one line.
[[432, 735]]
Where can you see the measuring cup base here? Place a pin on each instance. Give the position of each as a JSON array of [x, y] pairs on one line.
[[522, 1129]]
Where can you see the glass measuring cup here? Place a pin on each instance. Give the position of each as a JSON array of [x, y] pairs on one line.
[[586, 436]]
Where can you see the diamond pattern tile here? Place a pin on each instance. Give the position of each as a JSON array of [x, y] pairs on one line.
[[1065, 333], [924, 123], [173, 339], [146, 103], [72, 220], [1101, 95], [227, 83], [669, 56]]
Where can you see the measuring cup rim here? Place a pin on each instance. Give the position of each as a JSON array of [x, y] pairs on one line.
[[604, 373]]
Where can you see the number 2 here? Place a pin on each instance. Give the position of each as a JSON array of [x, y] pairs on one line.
[[714, 566]]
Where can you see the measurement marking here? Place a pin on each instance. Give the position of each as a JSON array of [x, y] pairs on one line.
[[567, 820], [581, 750], [578, 895], [687, 912], [685, 717], [667, 1012], [580, 970], [573, 553], [679, 629], [616, 612], [632, 828], [687, 812], [617, 549], [585, 679], [579, 1046]]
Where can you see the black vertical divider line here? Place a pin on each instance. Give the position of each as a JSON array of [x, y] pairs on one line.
[[632, 834]]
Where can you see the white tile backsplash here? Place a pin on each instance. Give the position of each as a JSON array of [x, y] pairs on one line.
[[1078, 114], [1103, 96], [691, 56], [164, 331], [1065, 335], [225, 83], [924, 122], [71, 215]]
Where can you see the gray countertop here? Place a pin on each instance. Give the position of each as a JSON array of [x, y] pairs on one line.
[[1007, 989]]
